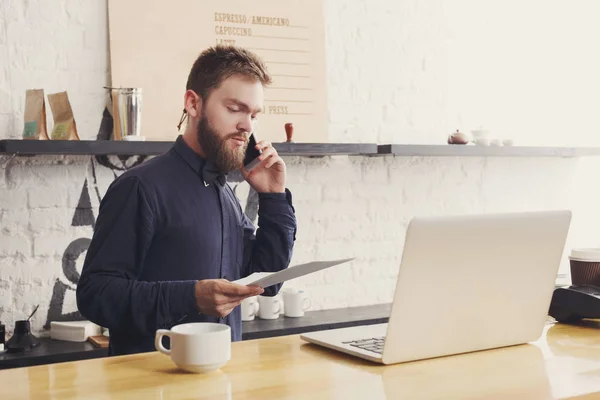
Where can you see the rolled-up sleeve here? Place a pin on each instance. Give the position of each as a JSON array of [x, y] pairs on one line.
[[270, 248], [108, 292]]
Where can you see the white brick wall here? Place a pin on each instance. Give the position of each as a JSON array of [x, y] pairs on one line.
[[405, 72]]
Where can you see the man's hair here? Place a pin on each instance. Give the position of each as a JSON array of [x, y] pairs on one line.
[[218, 63]]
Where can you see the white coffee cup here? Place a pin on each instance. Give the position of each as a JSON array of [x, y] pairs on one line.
[[198, 346], [295, 302], [268, 307], [250, 308]]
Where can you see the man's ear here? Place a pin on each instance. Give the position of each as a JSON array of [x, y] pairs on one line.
[[193, 104]]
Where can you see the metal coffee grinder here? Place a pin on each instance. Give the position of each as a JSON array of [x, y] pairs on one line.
[[127, 113]]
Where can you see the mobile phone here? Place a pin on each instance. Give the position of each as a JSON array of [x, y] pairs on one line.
[[251, 158]]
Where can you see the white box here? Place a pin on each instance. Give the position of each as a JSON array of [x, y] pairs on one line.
[[73, 331]]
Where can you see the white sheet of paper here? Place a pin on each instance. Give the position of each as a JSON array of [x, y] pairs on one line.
[[266, 279]]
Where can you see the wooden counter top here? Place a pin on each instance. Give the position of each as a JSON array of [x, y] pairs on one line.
[[563, 363]]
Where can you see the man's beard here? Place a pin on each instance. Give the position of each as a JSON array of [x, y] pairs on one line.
[[215, 147]]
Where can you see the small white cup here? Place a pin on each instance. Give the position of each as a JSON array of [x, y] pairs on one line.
[[480, 133], [268, 307], [197, 347], [295, 302], [250, 308]]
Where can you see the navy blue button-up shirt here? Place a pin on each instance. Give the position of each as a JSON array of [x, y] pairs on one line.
[[163, 226]]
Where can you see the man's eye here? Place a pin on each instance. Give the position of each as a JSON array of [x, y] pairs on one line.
[[233, 109]]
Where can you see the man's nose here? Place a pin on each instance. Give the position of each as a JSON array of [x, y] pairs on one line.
[[245, 124]]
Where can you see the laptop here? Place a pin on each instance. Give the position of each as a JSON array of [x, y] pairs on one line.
[[465, 283]]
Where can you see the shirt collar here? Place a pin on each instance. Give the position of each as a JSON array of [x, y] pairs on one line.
[[207, 170]]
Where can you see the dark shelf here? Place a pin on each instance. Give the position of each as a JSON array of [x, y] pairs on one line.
[[51, 351], [325, 149], [81, 147], [20, 147], [316, 321], [54, 351], [485, 151], [150, 148]]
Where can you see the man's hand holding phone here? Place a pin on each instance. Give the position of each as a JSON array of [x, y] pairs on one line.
[[263, 168]]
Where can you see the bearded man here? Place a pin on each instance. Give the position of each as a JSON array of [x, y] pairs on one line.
[[171, 235]]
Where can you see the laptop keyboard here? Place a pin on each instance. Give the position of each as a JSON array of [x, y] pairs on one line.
[[587, 289], [371, 344]]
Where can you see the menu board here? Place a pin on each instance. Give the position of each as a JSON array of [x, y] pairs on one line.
[[153, 45]]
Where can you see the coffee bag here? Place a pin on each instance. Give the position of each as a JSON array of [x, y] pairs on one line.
[[64, 122], [35, 115]]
